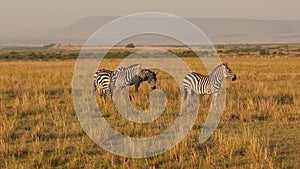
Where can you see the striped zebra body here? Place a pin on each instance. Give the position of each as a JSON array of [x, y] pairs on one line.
[[198, 83], [145, 75], [207, 84], [102, 80], [122, 76]]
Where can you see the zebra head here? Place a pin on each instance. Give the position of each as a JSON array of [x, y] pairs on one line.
[[151, 78], [228, 72]]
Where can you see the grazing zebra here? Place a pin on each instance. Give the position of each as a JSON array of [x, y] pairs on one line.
[[102, 79], [123, 76], [145, 75], [203, 84]]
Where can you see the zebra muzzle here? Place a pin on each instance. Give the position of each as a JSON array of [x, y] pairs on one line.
[[233, 78]]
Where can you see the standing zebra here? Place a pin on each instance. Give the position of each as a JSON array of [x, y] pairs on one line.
[[123, 76], [145, 75], [207, 84], [102, 79]]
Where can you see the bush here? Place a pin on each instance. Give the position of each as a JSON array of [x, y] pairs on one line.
[[264, 52], [49, 46], [130, 45]]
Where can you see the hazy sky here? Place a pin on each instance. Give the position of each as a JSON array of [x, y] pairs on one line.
[[21, 15]]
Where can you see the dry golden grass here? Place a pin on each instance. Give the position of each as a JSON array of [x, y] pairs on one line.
[[259, 126]]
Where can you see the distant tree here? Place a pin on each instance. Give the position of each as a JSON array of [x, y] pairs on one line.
[[49, 45], [130, 45], [264, 52]]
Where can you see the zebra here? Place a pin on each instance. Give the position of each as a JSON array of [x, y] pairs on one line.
[[102, 79], [123, 76], [145, 75], [207, 84]]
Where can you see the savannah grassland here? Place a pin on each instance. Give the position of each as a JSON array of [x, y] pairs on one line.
[[260, 126]]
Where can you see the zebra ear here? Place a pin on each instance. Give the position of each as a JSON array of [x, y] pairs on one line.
[[139, 65], [225, 63], [155, 73]]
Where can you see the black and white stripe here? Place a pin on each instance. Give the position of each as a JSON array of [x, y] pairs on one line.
[[102, 79], [145, 75], [207, 84], [123, 76]]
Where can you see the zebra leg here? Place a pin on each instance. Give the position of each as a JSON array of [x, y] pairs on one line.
[[185, 93], [98, 92], [216, 96], [104, 96], [215, 99], [111, 88], [207, 98], [189, 97], [110, 93], [137, 85], [94, 89]]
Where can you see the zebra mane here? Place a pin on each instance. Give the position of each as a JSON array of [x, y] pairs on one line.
[[129, 67], [135, 65], [120, 69], [221, 65]]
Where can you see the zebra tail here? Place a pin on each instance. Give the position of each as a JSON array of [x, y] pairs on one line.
[[95, 88]]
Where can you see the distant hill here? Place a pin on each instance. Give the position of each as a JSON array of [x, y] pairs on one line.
[[219, 31]]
